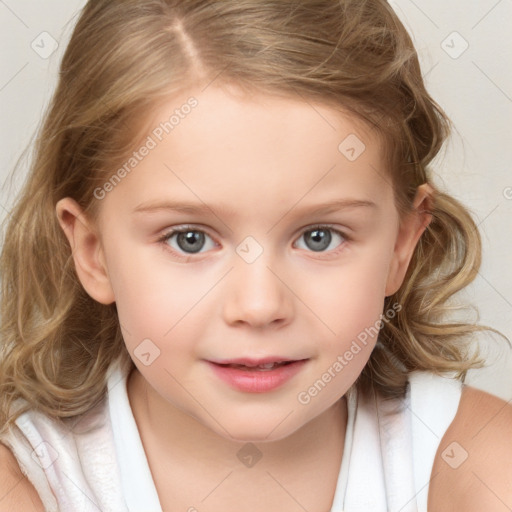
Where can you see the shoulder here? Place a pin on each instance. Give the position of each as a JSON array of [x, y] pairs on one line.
[[472, 469], [16, 491]]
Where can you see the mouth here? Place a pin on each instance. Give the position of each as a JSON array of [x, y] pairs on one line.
[[262, 364], [266, 367], [257, 376]]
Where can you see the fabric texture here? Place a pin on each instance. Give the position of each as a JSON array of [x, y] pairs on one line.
[[97, 462]]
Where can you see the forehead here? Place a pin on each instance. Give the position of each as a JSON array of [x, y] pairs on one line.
[[252, 151]]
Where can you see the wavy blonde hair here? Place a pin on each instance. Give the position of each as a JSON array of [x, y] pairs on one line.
[[124, 57]]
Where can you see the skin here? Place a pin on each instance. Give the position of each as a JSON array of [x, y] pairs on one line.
[[483, 481], [274, 156]]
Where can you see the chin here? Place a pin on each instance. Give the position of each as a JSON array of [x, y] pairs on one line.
[[256, 430]]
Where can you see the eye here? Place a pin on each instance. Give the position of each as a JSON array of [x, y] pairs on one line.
[[187, 239], [318, 238]]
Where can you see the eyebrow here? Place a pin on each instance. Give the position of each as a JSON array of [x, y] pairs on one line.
[[203, 209]]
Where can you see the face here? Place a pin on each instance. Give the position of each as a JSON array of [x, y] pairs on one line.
[[258, 229]]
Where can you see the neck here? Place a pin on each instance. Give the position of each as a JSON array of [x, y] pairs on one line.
[[169, 436]]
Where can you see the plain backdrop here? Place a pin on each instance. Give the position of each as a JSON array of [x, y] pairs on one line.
[[466, 53]]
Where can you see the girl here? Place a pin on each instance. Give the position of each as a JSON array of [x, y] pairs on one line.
[[225, 283]]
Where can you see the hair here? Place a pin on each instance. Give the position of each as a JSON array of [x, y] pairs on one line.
[[125, 57]]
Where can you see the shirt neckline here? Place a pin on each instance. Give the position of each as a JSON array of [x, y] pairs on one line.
[[137, 483]]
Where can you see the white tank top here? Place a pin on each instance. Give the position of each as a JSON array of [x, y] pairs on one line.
[[97, 462]]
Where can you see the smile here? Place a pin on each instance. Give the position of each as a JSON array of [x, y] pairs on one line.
[[259, 378]]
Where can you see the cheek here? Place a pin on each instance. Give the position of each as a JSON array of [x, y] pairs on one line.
[[169, 304], [351, 305], [350, 296], [150, 298]]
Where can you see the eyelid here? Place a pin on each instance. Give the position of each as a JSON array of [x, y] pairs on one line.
[[331, 227], [183, 228]]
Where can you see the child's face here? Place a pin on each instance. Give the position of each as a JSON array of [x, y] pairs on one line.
[[249, 281]]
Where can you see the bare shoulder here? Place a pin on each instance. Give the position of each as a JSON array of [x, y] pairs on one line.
[[16, 491], [473, 465]]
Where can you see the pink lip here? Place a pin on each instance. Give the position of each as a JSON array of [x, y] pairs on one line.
[[253, 380]]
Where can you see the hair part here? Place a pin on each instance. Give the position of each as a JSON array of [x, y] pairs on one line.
[[125, 57]]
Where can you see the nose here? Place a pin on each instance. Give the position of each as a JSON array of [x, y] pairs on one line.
[[257, 295]]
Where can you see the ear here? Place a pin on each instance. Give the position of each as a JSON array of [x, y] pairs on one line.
[[86, 249], [411, 228]]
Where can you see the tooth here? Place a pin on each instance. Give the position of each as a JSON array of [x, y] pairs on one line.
[[266, 366]]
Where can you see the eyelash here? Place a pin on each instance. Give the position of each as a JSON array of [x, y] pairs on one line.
[[184, 229]]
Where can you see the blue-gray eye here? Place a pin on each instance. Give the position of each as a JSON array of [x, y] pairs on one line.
[[319, 238], [189, 241]]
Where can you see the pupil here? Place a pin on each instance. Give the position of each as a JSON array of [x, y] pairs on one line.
[[192, 241], [321, 237]]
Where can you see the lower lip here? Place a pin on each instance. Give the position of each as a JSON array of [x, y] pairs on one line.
[[257, 381]]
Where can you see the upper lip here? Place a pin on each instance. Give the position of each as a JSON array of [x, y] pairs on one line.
[[249, 361]]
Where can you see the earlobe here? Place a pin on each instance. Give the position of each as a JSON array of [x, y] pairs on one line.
[[87, 250], [411, 229]]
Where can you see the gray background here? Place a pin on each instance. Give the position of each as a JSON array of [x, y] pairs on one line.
[[466, 53]]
